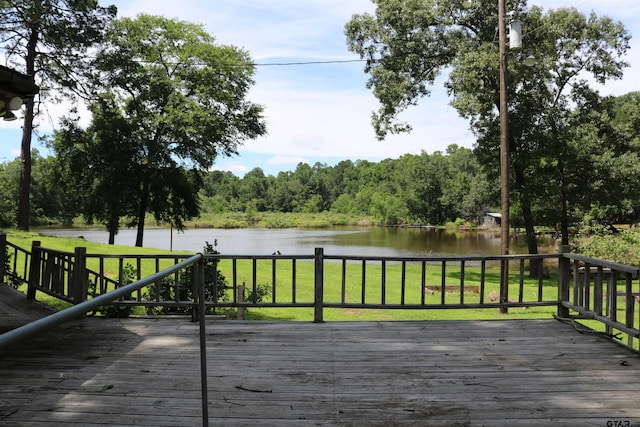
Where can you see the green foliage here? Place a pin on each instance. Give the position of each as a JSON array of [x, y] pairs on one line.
[[10, 277], [9, 177], [413, 188], [129, 275], [180, 289], [605, 243], [261, 293]]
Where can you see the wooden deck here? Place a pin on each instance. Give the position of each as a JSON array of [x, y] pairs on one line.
[[145, 372]]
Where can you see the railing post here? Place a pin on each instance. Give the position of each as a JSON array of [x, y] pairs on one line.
[[240, 299], [78, 280], [4, 254], [318, 301], [504, 285], [198, 284], [564, 278], [34, 270]]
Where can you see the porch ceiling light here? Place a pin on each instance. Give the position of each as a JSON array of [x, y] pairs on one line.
[[15, 103]]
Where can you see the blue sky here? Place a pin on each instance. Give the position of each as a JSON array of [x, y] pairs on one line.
[[321, 113]]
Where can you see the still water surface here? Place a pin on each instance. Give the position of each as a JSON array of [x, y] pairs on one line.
[[369, 241]]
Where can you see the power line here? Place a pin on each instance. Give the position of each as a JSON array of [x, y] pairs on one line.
[[335, 61]]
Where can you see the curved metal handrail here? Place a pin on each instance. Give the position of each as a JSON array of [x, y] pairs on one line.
[[81, 309]]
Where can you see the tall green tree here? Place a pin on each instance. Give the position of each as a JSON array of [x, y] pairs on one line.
[[605, 135], [9, 183], [185, 99], [48, 40], [95, 167], [407, 44]]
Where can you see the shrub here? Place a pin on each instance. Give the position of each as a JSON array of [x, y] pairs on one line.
[[11, 278], [623, 247], [215, 286], [129, 275]]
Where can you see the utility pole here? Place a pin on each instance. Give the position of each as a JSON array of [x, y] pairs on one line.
[[504, 156]]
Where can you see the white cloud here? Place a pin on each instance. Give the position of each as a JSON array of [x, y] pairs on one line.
[[286, 160]]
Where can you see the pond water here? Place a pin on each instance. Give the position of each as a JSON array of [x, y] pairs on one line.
[[359, 241]]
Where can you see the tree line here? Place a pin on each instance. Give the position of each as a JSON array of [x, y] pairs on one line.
[[423, 188], [420, 189]]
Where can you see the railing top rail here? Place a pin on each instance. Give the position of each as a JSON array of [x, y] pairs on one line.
[[13, 245], [227, 256], [601, 263], [143, 256], [441, 257], [387, 258], [78, 310]]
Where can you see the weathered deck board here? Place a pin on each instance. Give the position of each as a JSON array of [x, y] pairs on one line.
[[97, 372], [16, 310]]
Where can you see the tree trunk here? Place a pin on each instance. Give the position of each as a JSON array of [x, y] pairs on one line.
[[24, 202], [142, 211], [529, 222], [562, 189], [113, 226], [24, 205]]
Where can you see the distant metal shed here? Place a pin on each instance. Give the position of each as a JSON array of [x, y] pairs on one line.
[[492, 219]]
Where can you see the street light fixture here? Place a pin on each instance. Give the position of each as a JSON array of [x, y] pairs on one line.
[[530, 60]]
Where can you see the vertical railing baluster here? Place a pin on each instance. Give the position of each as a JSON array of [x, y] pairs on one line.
[[234, 279], [629, 298], [462, 265], [586, 298], [521, 281], [423, 282], [273, 281], [139, 276], [318, 301], [103, 283], [608, 302], [293, 280], [597, 291], [564, 273], [4, 252], [364, 280], [614, 298], [443, 282], [540, 280], [483, 275], [34, 269], [403, 281], [78, 277], [254, 279], [344, 281], [384, 282], [576, 281]]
